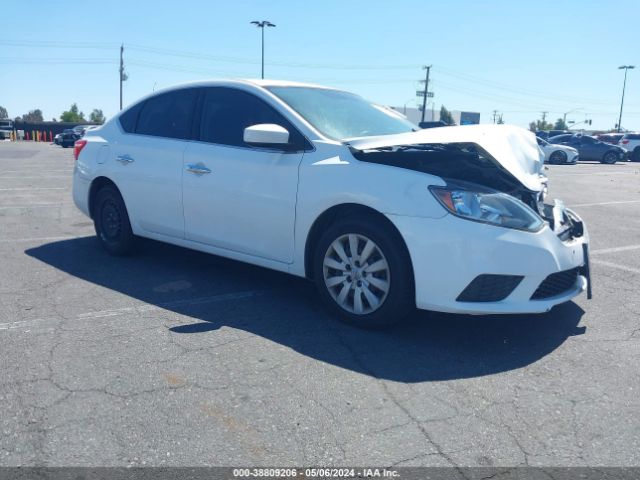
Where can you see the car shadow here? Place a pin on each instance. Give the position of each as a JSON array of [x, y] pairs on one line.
[[212, 292]]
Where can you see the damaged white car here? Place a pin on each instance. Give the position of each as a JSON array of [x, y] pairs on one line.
[[323, 184]]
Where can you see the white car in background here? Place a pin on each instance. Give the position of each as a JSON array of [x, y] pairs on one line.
[[558, 154], [323, 184]]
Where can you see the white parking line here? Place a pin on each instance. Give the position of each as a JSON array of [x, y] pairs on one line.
[[39, 177], [594, 173], [142, 308], [36, 205], [616, 266], [35, 239], [30, 188], [604, 203], [614, 249], [66, 170]]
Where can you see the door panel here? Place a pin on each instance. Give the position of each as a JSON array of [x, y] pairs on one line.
[[246, 204], [150, 182]]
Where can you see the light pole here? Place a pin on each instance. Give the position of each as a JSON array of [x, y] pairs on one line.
[[261, 24], [564, 115], [624, 85]]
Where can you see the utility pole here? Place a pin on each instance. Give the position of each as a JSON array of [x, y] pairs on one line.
[[544, 116], [121, 72], [426, 91], [624, 85], [495, 112]]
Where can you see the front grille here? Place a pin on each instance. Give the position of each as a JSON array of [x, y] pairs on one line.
[[489, 288], [556, 284]]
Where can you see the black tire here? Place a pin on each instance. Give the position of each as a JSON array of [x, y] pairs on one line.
[[609, 158], [111, 222], [635, 155], [400, 298], [558, 157]]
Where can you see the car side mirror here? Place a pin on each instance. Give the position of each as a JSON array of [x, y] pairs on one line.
[[267, 135]]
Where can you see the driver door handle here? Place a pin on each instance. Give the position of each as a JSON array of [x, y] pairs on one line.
[[124, 159], [197, 169]]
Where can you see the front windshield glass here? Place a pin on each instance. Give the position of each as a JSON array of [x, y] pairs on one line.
[[341, 115]]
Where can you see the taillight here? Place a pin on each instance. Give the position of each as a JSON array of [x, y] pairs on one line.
[[624, 142], [77, 147]]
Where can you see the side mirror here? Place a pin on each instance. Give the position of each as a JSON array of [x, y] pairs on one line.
[[267, 135]]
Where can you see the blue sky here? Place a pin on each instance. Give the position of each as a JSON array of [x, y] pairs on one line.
[[520, 58]]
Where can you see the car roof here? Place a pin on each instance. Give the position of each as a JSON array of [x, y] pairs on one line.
[[245, 81]]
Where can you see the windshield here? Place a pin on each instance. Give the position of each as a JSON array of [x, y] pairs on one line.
[[341, 115]]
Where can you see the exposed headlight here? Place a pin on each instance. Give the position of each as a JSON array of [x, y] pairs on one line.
[[494, 208]]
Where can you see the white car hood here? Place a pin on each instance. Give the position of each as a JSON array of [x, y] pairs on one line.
[[514, 148]]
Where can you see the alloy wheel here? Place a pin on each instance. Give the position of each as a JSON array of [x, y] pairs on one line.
[[356, 274]]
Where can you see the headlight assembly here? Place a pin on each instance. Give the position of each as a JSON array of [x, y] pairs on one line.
[[494, 208]]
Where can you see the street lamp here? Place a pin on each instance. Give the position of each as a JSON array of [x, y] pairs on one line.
[[261, 24], [624, 85], [564, 115]]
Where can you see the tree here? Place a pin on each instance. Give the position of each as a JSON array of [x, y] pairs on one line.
[[445, 116], [4, 113], [34, 116], [560, 125], [72, 115], [540, 125], [500, 120], [97, 116]]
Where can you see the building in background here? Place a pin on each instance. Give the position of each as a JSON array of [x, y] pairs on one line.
[[461, 118]]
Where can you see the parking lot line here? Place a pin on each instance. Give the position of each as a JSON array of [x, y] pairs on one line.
[[616, 266], [36, 239], [31, 188], [604, 203], [224, 297], [38, 177], [614, 249], [36, 205]]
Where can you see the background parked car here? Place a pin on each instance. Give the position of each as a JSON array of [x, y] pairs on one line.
[[547, 134], [67, 139], [631, 143], [558, 154], [611, 138], [591, 148]]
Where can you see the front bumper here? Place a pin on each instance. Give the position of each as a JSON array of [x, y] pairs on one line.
[[449, 253]]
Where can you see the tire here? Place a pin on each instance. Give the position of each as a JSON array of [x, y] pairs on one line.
[[558, 157], [393, 288], [111, 222], [609, 158], [635, 155]]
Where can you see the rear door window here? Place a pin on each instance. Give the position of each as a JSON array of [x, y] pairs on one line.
[[168, 115]]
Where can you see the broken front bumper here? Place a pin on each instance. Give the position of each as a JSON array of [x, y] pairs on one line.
[[514, 271]]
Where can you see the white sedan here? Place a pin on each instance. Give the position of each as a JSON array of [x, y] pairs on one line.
[[558, 154], [323, 184]]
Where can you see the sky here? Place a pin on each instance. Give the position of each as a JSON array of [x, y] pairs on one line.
[[520, 58]]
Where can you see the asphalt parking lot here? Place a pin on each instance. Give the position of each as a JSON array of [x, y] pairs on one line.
[[174, 357]]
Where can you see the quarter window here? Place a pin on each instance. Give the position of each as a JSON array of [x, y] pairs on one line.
[[228, 111], [168, 115]]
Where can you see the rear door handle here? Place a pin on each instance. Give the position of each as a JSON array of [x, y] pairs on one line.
[[124, 159], [198, 169]]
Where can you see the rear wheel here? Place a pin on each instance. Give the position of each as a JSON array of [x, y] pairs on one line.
[[558, 157], [111, 222], [363, 273], [610, 158]]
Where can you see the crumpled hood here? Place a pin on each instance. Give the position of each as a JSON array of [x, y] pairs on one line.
[[513, 147]]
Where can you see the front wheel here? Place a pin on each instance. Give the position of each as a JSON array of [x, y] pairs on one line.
[[111, 222], [558, 157], [610, 158], [363, 273]]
